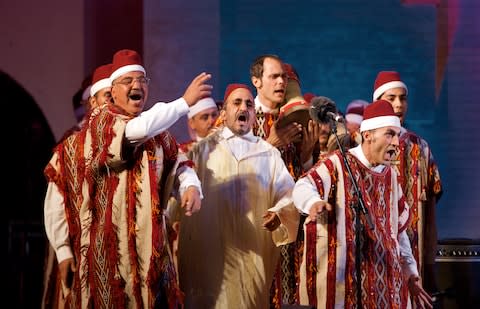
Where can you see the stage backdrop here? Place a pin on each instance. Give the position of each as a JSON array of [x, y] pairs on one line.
[[337, 48]]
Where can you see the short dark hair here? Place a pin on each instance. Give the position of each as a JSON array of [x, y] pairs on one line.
[[256, 68]]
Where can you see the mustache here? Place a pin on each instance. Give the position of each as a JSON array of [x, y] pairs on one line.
[[243, 114], [136, 92]]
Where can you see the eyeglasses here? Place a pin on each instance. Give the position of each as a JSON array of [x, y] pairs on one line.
[[127, 81]]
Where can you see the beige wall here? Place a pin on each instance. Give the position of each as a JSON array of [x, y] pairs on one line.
[[48, 47], [42, 49]]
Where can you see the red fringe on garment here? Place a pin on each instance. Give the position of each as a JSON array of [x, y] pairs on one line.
[[420, 181], [161, 263], [99, 263], [103, 253], [378, 204], [311, 262], [332, 237]]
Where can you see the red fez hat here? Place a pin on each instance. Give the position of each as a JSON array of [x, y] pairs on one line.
[[125, 61], [201, 105], [101, 78], [354, 111], [379, 114], [387, 80], [233, 87]]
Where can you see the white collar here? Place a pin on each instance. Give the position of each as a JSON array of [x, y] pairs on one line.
[[358, 153], [227, 134], [260, 106]]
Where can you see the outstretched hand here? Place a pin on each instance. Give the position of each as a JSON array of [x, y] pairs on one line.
[[198, 89]]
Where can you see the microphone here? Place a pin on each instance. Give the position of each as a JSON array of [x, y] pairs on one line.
[[335, 116], [324, 110]]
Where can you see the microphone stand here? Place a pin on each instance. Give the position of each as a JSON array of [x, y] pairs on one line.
[[359, 209]]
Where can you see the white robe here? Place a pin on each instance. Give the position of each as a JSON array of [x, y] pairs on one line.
[[226, 258]]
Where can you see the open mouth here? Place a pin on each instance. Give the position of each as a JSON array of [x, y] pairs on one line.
[[242, 118], [135, 96], [391, 154]]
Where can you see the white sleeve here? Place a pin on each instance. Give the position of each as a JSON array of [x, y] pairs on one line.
[[56, 226], [409, 265], [305, 194], [155, 120], [187, 177], [283, 183]]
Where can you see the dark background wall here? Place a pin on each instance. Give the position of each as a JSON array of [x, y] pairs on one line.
[[336, 46]]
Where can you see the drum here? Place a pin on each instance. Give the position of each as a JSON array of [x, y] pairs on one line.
[[298, 112]]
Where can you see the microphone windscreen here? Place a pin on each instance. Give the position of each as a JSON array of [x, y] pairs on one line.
[[319, 108]]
